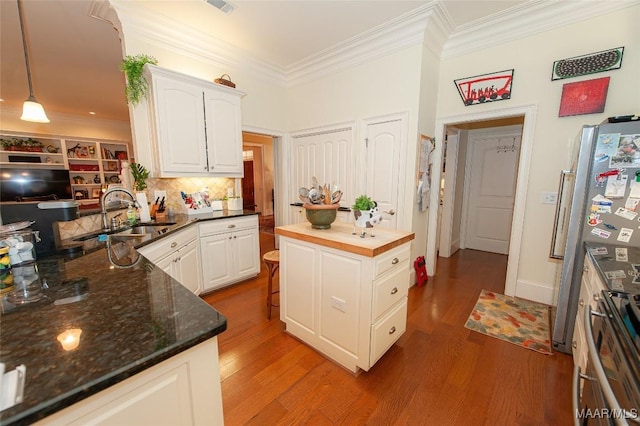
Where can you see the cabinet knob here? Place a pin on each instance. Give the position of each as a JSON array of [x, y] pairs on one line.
[[394, 290], [586, 267], [393, 330], [234, 237], [395, 260], [229, 237], [231, 226], [173, 244], [574, 344], [390, 212], [581, 302]]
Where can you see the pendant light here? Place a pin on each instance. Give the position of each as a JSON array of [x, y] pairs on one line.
[[31, 110]]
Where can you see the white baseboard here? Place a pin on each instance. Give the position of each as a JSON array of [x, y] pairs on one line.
[[538, 292]]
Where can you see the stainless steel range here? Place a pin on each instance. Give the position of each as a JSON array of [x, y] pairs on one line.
[[611, 393]]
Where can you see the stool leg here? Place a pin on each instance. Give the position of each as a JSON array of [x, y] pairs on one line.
[[269, 289]]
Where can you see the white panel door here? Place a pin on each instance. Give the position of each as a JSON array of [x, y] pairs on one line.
[[382, 165], [492, 184], [329, 157]]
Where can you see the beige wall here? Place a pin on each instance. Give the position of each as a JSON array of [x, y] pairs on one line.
[[553, 136]]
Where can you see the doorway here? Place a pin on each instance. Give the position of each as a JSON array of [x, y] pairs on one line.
[[521, 115], [258, 183]]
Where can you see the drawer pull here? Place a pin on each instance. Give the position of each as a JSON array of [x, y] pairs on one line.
[[173, 244], [393, 330], [231, 226], [395, 260], [394, 290]]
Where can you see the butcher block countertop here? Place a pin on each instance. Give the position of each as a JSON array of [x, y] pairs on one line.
[[340, 236]]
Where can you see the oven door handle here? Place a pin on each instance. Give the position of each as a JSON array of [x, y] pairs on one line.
[[576, 393], [594, 359]]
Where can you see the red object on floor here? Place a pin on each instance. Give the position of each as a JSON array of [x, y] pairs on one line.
[[421, 271]]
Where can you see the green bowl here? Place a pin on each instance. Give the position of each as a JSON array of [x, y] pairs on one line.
[[321, 216]]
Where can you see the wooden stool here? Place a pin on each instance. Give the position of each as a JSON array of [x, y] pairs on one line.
[[272, 261]]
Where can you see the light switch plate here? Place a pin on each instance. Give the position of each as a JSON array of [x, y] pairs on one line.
[[549, 197]]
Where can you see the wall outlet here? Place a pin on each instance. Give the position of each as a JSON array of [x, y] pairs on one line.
[[549, 197], [158, 195], [339, 304]]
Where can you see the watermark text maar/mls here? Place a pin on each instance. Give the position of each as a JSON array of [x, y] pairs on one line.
[[606, 413]]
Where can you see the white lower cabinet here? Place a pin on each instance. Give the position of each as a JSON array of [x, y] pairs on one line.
[[182, 390], [350, 307], [230, 251], [178, 256]]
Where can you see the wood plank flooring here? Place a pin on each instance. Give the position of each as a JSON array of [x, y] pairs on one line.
[[438, 373]]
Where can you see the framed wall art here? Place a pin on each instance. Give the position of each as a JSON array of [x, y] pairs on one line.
[[483, 88], [584, 97], [592, 63]]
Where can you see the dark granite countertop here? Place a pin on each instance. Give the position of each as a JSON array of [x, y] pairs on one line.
[[618, 274], [131, 319]]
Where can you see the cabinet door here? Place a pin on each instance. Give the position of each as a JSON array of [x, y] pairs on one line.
[[180, 127], [217, 260], [297, 215], [223, 133], [246, 253], [166, 264], [187, 267]]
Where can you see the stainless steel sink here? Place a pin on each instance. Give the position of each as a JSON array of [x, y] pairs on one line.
[[146, 229], [152, 229]]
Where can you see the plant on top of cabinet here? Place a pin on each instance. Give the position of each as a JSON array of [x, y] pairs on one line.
[[140, 175], [137, 86], [19, 144]]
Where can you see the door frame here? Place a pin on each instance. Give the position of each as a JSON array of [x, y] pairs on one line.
[[529, 112], [258, 147], [281, 145], [445, 224]]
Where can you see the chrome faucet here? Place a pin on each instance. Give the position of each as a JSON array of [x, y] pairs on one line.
[[103, 202]]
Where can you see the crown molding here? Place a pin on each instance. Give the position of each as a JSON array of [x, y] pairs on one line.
[[164, 32], [527, 19], [402, 32], [429, 25]]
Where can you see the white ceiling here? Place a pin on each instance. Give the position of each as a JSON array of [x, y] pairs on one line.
[[74, 57]]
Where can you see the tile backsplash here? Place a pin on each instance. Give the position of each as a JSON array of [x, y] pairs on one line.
[[217, 188]]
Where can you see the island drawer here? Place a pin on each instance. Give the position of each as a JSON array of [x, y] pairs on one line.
[[393, 259], [227, 225], [389, 290], [385, 332], [167, 245]]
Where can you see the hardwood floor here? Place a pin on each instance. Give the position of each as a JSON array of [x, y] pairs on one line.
[[438, 373]]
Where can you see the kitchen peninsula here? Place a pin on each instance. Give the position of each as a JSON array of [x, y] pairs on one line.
[[145, 347], [344, 295]]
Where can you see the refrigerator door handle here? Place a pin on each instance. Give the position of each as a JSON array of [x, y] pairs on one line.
[[558, 238]]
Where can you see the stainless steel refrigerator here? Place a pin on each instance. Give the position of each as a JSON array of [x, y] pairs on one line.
[[597, 201]]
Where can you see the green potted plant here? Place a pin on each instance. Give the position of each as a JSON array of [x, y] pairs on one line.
[[137, 86], [140, 175], [363, 203]]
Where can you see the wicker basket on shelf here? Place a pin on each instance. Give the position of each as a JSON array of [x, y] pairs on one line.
[[225, 81]]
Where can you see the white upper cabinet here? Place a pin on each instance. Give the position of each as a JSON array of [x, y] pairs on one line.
[[197, 127]]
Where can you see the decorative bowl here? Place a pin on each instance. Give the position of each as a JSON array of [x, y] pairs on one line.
[[321, 216]]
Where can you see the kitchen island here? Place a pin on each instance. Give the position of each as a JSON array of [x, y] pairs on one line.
[[344, 295], [125, 345]]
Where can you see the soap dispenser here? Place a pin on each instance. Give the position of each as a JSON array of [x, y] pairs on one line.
[[131, 215]]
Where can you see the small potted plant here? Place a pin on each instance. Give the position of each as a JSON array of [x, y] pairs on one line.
[[362, 203], [140, 175], [137, 86]]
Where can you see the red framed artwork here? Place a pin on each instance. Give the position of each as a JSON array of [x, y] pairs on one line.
[[584, 97]]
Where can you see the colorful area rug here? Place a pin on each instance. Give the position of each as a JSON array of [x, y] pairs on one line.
[[514, 320]]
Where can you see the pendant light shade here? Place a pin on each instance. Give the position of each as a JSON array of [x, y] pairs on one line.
[[31, 110]]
